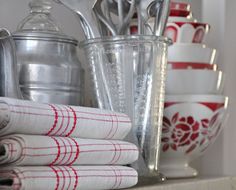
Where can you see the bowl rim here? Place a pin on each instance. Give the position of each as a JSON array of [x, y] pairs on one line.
[[187, 19], [191, 45], [185, 98], [207, 71], [191, 63], [191, 22]]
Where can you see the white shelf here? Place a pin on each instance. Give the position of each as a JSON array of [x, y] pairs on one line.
[[209, 183]]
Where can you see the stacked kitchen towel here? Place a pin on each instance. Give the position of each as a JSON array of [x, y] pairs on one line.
[[47, 146]]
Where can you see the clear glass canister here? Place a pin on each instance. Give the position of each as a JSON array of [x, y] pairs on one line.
[[128, 75]]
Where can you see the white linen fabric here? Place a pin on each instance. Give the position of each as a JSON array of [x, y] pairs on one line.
[[67, 178], [27, 117], [32, 150]]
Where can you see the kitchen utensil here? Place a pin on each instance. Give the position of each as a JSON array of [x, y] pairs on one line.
[[153, 8], [97, 9], [84, 9], [48, 66], [9, 86], [194, 82], [124, 20], [161, 18], [191, 124]]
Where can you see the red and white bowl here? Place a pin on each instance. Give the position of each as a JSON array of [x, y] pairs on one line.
[[191, 53], [194, 82], [151, 21], [187, 32], [191, 66], [191, 123], [179, 9]]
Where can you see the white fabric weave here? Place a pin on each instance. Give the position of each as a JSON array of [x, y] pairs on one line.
[[27, 117], [30, 150], [67, 178]]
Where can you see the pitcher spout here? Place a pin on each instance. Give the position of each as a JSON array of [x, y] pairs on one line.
[[9, 81]]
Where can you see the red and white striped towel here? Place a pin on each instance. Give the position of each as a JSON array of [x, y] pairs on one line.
[[30, 150], [67, 178], [27, 117]]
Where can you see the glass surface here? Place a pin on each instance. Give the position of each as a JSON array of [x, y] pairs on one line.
[[40, 18], [128, 75]]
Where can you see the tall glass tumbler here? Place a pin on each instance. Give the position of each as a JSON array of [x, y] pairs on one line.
[[128, 75]]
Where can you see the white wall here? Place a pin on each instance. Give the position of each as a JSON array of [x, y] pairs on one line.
[[223, 17]]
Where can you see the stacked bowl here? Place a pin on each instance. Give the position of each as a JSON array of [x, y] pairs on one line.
[[195, 109]]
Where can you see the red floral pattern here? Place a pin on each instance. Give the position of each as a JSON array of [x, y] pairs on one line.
[[189, 133]]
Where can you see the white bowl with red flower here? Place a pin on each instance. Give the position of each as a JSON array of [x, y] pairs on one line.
[[191, 123]]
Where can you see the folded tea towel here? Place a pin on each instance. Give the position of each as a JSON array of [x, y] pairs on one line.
[[27, 117], [44, 150], [67, 178]]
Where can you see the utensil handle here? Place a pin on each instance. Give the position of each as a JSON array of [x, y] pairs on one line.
[[161, 17]]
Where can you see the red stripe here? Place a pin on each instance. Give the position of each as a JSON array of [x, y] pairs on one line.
[[114, 185], [85, 118], [66, 168], [63, 177], [76, 178], [74, 123], [49, 170], [118, 158], [77, 152], [119, 173], [114, 153], [71, 151], [82, 151], [111, 129], [58, 151], [79, 176], [108, 144], [57, 177], [62, 122], [91, 113], [55, 120], [68, 123], [117, 126], [5, 172], [65, 147]]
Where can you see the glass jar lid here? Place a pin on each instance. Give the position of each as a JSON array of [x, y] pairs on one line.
[[40, 24]]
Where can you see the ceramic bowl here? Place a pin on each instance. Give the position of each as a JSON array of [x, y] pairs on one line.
[[191, 66], [191, 123], [194, 82], [149, 30], [187, 32], [179, 9], [191, 53], [189, 18]]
